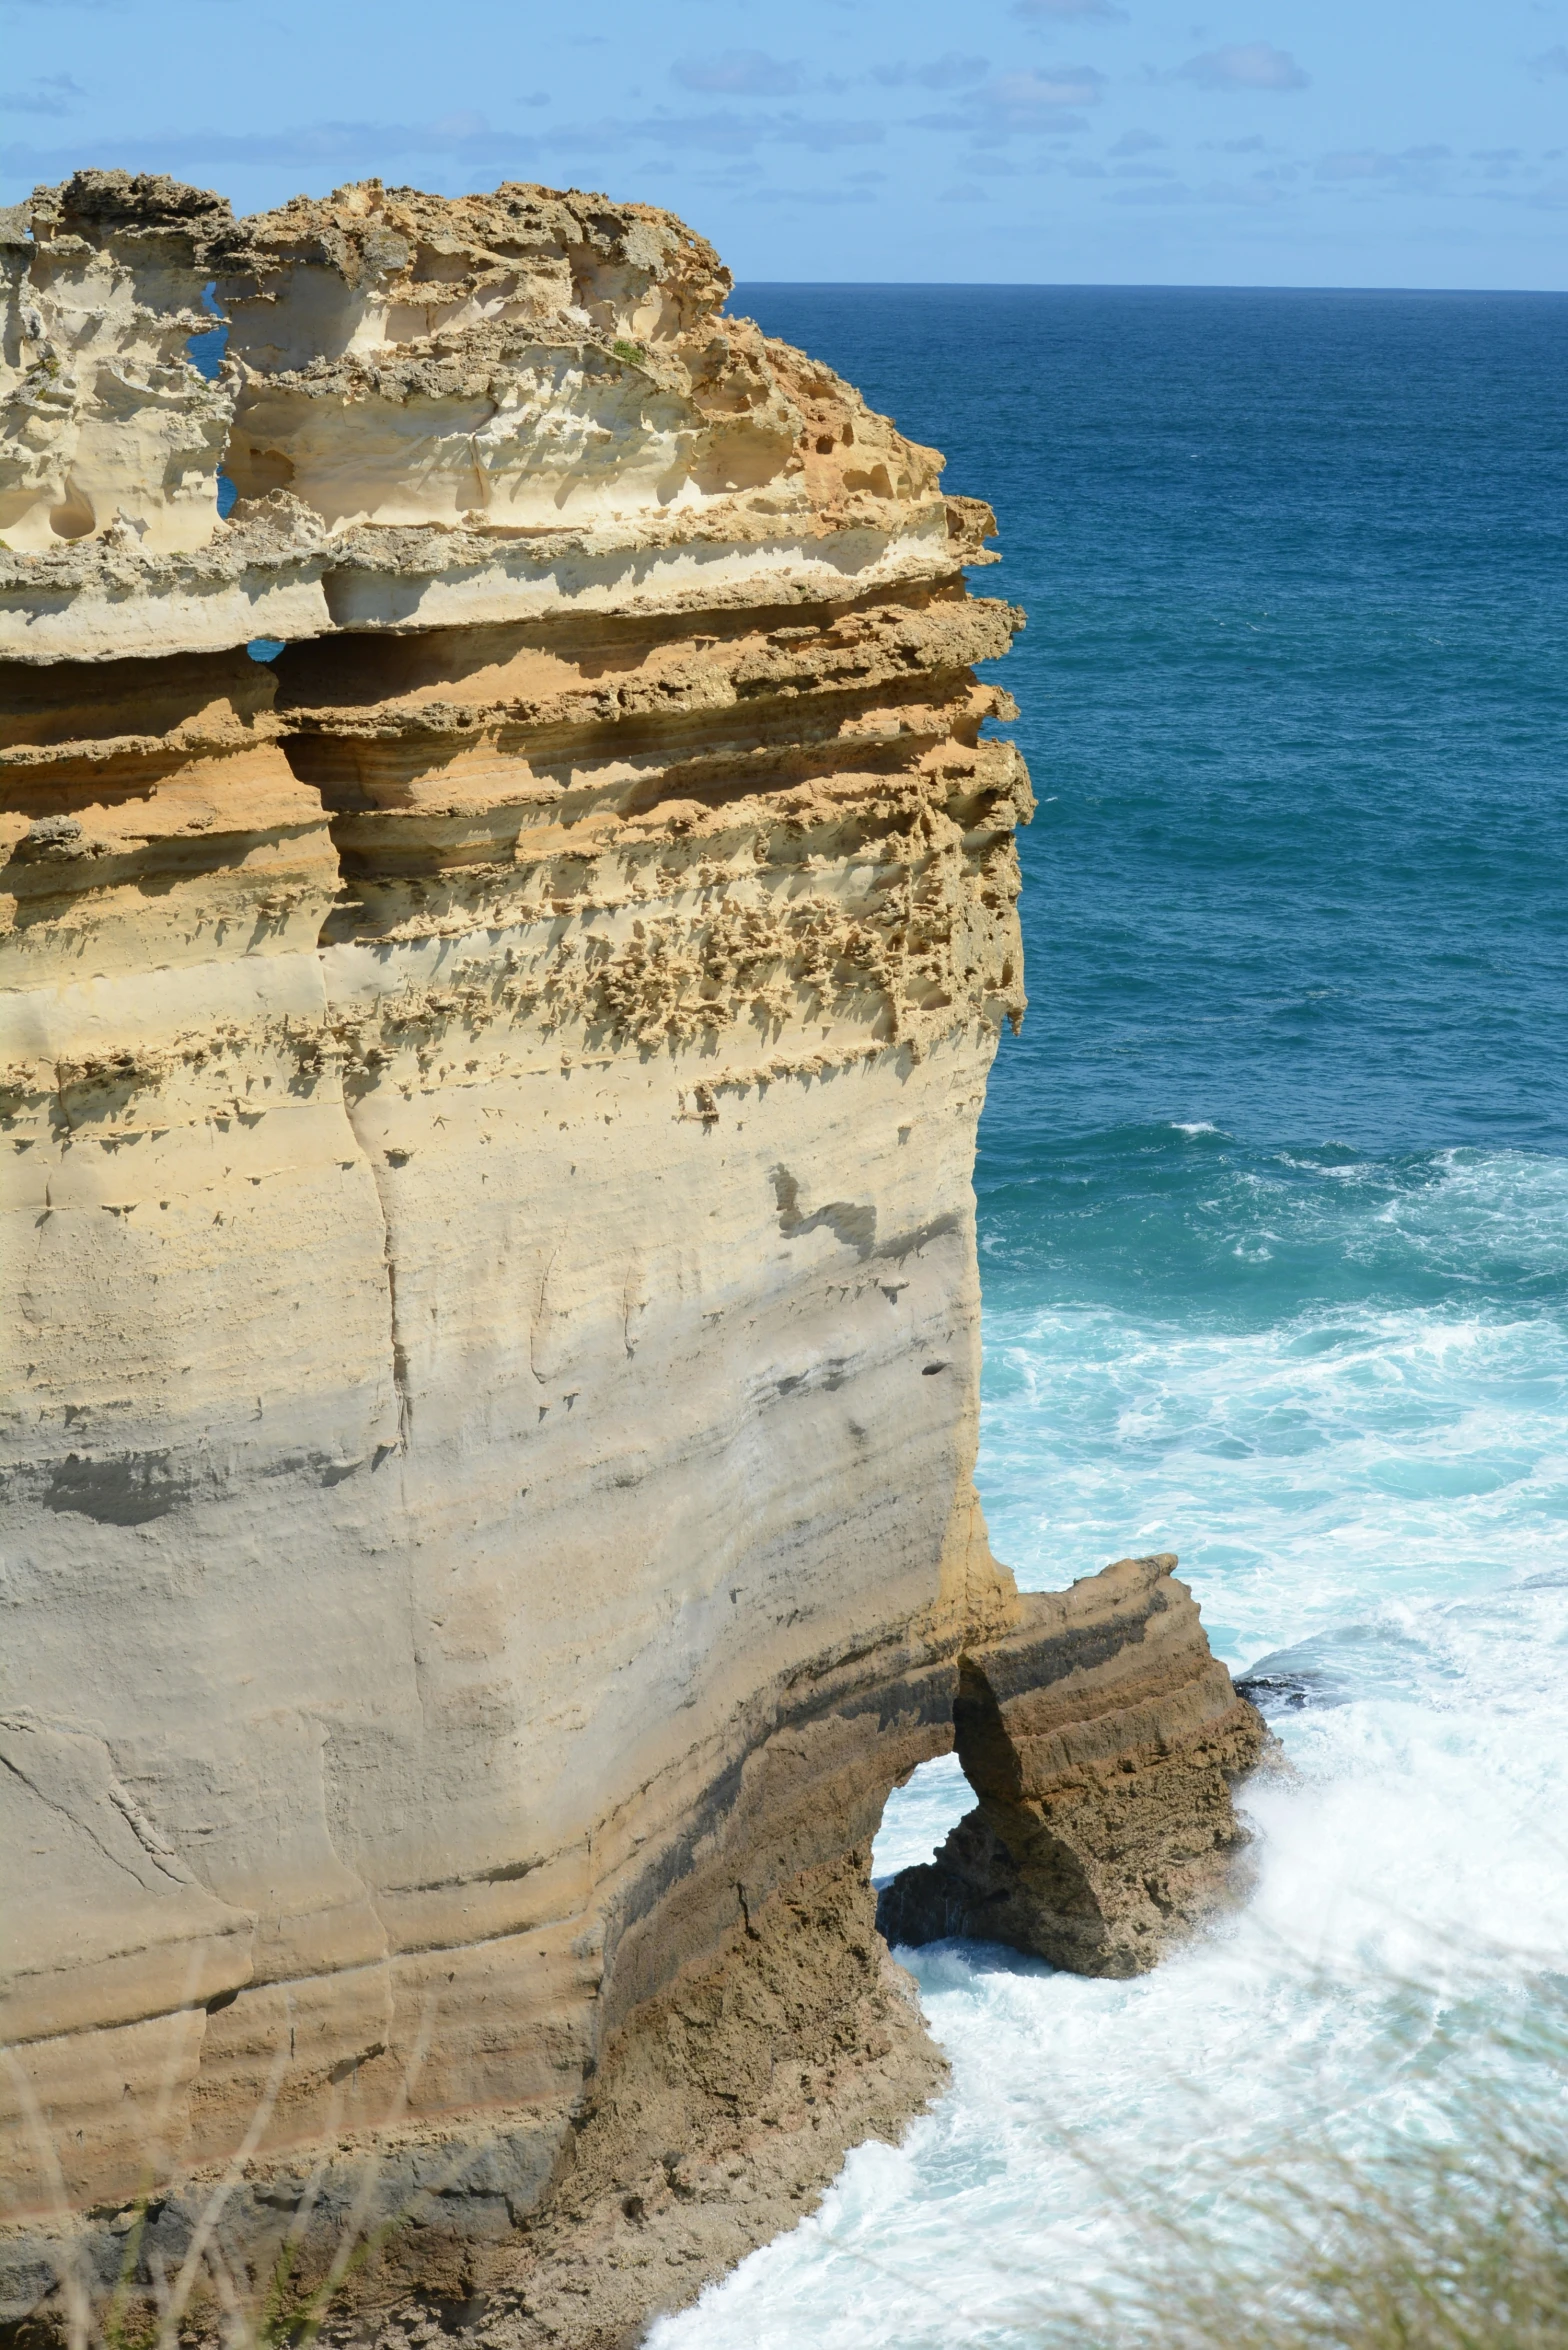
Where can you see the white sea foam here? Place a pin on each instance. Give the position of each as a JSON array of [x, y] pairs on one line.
[[1373, 1495]]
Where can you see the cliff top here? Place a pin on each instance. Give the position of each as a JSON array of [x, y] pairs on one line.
[[437, 386]]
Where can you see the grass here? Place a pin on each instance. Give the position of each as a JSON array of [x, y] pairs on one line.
[[1446, 2231], [209, 2295], [1454, 2249]]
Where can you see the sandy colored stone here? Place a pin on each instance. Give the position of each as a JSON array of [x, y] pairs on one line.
[[104, 423], [718, 2120], [436, 412], [487, 1103]]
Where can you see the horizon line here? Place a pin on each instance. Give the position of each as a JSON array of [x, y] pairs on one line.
[[965, 285]]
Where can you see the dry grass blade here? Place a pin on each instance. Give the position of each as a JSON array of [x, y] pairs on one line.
[[195, 2261], [1457, 2242]]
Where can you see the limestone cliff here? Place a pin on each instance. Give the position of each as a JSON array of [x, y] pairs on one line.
[[489, 1105]]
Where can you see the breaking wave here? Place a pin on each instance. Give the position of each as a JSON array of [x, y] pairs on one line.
[[1370, 1497], [1293, 917]]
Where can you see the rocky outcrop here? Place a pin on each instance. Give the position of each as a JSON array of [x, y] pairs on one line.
[[489, 1104], [101, 411], [1102, 1739], [503, 408]]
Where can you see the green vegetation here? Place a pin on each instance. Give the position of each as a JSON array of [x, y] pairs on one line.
[[1447, 2232], [1453, 2250]]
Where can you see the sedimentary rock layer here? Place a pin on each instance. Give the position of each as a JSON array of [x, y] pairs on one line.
[[1102, 1739], [490, 1097]]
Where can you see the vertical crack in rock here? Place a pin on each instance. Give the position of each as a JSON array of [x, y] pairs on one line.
[[405, 1402], [398, 1350], [575, 959]]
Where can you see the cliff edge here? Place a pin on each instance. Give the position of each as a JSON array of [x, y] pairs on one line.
[[488, 1103]]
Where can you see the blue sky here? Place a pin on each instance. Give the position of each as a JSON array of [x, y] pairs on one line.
[[1248, 142]]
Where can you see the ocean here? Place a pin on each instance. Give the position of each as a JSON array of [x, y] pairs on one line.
[[1273, 1206]]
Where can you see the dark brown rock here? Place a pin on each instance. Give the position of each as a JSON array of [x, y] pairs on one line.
[[1102, 1739]]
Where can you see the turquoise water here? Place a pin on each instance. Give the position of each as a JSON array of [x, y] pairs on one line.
[[1274, 1223]]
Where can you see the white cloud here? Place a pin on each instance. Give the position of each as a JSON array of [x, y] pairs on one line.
[[352, 146], [951, 71], [741, 73], [736, 133], [1025, 101], [815, 194], [463, 139], [1136, 143], [53, 93], [1049, 11], [1414, 166], [1355, 163], [1254, 194], [1244, 65]]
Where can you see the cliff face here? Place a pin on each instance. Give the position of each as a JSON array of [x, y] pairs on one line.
[[490, 1098]]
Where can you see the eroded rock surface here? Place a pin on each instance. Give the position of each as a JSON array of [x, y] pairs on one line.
[[489, 1101], [1102, 1739], [102, 415]]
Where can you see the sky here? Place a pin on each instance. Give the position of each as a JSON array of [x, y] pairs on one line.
[[1417, 143]]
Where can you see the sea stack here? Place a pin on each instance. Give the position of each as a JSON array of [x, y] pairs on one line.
[[505, 935], [1102, 1739]]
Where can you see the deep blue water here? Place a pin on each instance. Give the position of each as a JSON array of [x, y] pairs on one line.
[[1273, 1204], [1294, 694]]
